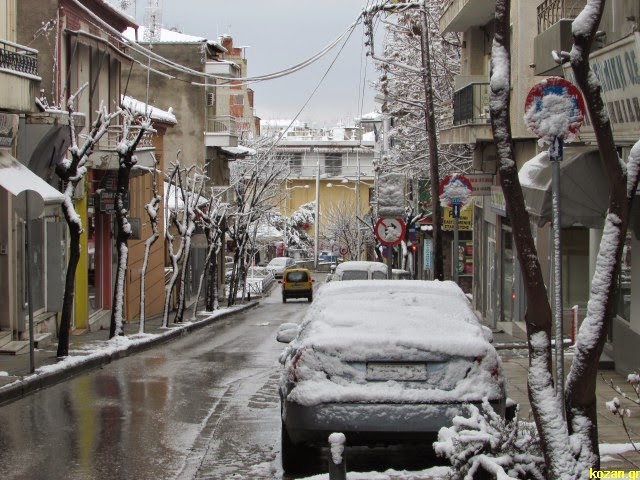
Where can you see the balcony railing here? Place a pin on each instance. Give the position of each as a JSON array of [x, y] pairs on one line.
[[113, 137], [471, 104], [18, 58], [225, 125], [551, 12]]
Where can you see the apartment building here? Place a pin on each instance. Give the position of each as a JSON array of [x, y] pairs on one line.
[[498, 292]]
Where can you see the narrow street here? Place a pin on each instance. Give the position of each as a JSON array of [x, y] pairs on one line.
[[205, 406]]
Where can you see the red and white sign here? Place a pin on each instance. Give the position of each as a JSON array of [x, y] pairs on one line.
[[390, 231], [554, 109], [456, 190]]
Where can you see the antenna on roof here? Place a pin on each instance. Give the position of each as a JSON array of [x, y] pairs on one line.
[[152, 21]]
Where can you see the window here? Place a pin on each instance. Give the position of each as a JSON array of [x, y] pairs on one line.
[[295, 163], [237, 99], [333, 163]]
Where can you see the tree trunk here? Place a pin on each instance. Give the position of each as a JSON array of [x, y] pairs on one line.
[[70, 285], [538, 311], [122, 238]]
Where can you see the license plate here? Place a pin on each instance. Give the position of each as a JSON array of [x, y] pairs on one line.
[[397, 371]]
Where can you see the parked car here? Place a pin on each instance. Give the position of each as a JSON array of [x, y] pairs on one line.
[[297, 283], [400, 274], [327, 256], [360, 270], [278, 265], [383, 362]]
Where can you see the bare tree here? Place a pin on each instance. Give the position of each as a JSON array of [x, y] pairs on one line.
[[126, 161], [341, 226], [569, 446], [256, 183], [152, 211], [71, 172]]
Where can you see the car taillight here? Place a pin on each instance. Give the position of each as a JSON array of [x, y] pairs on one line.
[[294, 365], [495, 368]]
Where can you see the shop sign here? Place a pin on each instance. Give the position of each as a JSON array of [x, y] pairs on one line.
[[481, 183], [107, 200], [617, 68], [8, 129], [498, 203]]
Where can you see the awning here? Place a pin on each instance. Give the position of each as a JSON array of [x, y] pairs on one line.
[[16, 177], [584, 190]]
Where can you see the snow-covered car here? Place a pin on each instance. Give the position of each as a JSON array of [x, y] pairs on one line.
[[278, 265], [360, 270], [383, 362]]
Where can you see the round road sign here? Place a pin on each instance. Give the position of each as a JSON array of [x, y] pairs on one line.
[[390, 231], [455, 190], [554, 108]]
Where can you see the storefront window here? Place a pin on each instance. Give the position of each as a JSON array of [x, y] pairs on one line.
[[623, 297]]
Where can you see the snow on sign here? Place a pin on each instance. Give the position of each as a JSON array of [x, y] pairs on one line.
[[455, 192], [554, 109], [390, 231]]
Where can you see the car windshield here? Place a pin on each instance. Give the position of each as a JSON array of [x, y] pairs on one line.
[[355, 275], [278, 261], [297, 277], [379, 275]]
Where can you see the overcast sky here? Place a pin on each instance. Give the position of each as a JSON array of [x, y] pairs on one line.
[[282, 33]]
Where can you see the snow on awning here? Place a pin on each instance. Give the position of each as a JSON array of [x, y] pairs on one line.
[[16, 177], [239, 151], [583, 188]]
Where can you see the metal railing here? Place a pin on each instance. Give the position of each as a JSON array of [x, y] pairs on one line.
[[551, 12], [18, 58], [113, 137], [471, 104], [223, 124]]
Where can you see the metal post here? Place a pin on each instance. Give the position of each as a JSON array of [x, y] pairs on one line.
[[555, 156], [456, 241], [317, 219], [337, 464], [27, 239]]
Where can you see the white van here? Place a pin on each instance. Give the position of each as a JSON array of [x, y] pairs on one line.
[[360, 270]]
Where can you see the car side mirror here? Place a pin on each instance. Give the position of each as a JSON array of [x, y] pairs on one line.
[[287, 332], [487, 333]]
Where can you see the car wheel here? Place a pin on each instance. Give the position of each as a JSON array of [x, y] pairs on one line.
[[310, 298], [284, 299], [295, 458]]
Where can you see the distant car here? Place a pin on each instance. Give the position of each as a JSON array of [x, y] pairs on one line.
[[360, 270], [278, 265], [297, 283], [326, 256], [399, 274], [383, 362]]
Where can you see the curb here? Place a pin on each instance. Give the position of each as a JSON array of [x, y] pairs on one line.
[[38, 381]]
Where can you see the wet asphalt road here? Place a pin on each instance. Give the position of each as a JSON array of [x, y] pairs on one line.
[[205, 406]]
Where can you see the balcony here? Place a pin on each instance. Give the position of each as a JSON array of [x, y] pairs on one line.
[[471, 119], [460, 15], [106, 155], [554, 33], [18, 76], [551, 12], [221, 132], [222, 69]]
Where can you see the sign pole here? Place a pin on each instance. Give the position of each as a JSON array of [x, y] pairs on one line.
[[555, 156], [456, 240]]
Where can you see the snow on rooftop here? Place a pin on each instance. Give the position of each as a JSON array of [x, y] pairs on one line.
[[171, 36], [140, 108]]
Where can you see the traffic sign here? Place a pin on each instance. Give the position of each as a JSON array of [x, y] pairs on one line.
[[455, 191], [390, 231], [554, 108]]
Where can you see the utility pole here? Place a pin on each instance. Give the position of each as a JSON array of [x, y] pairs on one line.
[[430, 125], [429, 116]]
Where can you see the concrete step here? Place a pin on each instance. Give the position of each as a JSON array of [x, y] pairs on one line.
[[5, 337], [18, 347], [42, 340]]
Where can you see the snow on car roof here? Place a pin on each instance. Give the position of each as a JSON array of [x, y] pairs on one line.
[[423, 315], [360, 265]]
